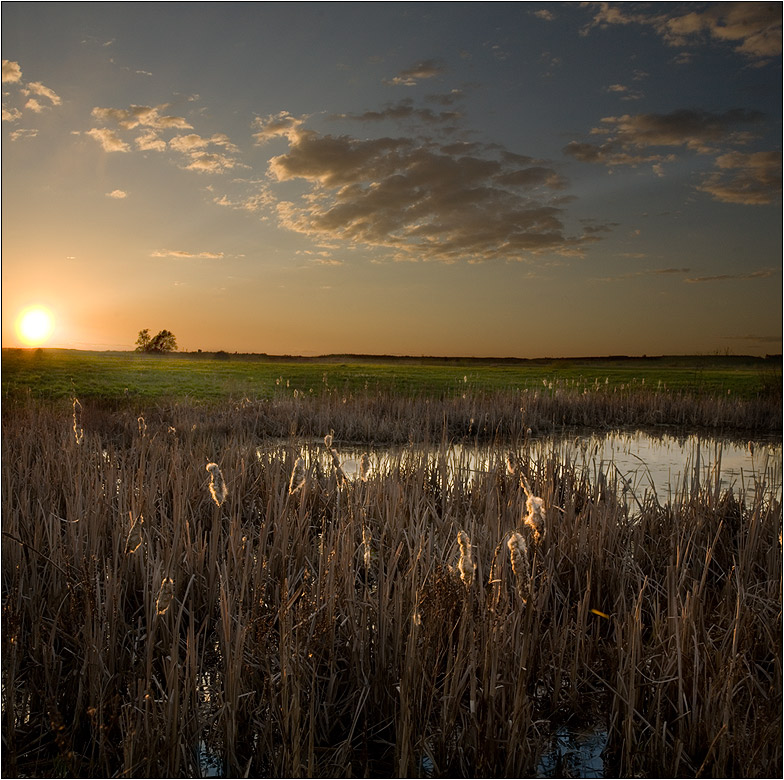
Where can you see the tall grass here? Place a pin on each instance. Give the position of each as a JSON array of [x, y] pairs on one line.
[[325, 630]]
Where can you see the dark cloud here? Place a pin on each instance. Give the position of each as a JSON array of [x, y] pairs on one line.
[[649, 139], [426, 69], [754, 29], [751, 179], [404, 110], [764, 274], [421, 201]]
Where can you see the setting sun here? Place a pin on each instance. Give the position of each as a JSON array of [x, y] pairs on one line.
[[35, 325]]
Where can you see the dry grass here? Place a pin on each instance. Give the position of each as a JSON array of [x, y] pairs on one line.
[[325, 630]]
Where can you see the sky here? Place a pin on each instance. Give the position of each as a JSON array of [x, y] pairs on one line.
[[453, 179]]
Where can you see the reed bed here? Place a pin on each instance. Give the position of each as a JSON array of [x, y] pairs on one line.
[[421, 620]]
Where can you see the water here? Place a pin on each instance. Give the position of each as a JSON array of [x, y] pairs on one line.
[[638, 461]]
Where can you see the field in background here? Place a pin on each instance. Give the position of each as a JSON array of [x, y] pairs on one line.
[[200, 377]]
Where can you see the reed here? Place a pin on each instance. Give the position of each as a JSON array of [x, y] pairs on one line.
[[323, 629]]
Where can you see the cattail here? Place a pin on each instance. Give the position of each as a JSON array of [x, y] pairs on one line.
[[534, 518], [511, 463], [338, 469], [518, 554], [297, 476], [134, 539], [218, 488], [165, 595], [328, 441], [364, 467], [366, 539], [142, 426], [466, 562], [77, 421]]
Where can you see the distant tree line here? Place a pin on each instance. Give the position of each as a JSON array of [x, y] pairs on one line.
[[160, 343]]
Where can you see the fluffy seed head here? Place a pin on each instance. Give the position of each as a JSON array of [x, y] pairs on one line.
[[218, 488], [297, 476], [328, 441], [518, 553], [466, 563], [77, 421], [134, 539], [165, 595]]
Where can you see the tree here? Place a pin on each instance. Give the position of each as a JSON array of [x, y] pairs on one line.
[[160, 343]]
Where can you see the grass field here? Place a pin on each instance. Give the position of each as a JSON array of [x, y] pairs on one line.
[[119, 375]]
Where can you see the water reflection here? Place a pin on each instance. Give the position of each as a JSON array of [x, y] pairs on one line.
[[666, 464]]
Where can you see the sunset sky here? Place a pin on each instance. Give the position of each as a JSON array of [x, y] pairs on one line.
[[478, 179]]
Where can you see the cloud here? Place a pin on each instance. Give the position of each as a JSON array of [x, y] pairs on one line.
[[16, 135], [195, 151], [117, 194], [625, 93], [427, 69], [187, 255], [11, 72], [135, 116], [754, 28], [750, 179], [150, 141], [421, 201], [108, 139], [282, 124], [404, 110], [544, 15], [630, 137], [764, 274], [37, 88]]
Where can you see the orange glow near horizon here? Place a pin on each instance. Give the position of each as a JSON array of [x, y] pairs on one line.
[[35, 325]]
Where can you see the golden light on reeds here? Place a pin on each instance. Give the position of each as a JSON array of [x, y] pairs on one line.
[[518, 554], [165, 596], [218, 489], [77, 421], [364, 467], [534, 505], [366, 539], [600, 614], [134, 540], [466, 564], [297, 476]]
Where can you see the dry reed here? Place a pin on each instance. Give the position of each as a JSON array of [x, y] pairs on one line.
[[328, 636]]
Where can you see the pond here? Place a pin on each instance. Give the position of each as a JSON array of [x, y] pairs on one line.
[[635, 461]]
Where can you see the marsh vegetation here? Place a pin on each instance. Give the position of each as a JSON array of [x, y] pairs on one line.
[[183, 581]]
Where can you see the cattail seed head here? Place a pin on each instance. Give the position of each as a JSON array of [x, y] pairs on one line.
[[466, 563], [364, 467], [511, 463], [165, 595], [134, 539], [218, 488], [328, 441], [518, 554], [297, 476], [77, 421], [142, 425]]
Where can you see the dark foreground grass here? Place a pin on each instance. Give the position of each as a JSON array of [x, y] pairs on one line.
[[328, 633]]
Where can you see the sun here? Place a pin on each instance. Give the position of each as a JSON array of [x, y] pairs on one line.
[[35, 325]]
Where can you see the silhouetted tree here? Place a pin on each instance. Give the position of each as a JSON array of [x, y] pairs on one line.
[[161, 342]]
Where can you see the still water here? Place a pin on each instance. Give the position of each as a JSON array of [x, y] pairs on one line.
[[664, 463]]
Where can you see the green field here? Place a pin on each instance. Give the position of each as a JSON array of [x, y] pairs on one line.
[[53, 374]]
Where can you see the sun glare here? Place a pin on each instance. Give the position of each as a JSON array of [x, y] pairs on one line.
[[35, 325]]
